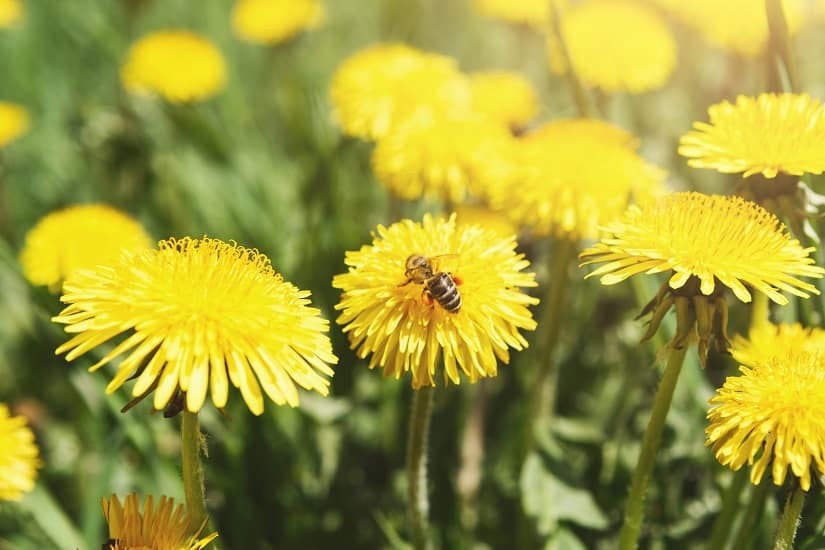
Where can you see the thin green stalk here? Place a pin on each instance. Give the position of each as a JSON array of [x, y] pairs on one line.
[[786, 531], [650, 445], [417, 500], [750, 519], [576, 88], [730, 505], [782, 75], [190, 443]]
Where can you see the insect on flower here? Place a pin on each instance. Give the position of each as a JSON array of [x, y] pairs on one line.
[[439, 285]]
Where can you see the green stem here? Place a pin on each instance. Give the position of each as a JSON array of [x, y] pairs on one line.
[[786, 531], [576, 88], [417, 500], [781, 65], [730, 505], [750, 519], [190, 436], [650, 445]]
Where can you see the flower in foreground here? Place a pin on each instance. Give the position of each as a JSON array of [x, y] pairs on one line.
[[404, 330], [772, 414], [11, 11], [274, 21], [768, 134], [178, 65], [78, 237], [14, 122], [504, 97], [198, 314], [161, 527], [18, 456]]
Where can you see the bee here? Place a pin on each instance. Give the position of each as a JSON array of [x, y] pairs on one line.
[[439, 285]]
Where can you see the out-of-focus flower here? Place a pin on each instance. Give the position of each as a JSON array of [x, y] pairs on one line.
[[18, 456], [535, 13], [393, 310], [199, 313], [178, 65], [11, 11], [275, 21], [78, 237], [477, 214], [767, 134], [767, 341], [14, 122], [504, 97]]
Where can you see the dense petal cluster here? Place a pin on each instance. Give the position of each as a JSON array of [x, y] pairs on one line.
[[717, 239], [78, 237], [504, 97], [199, 314], [14, 122], [274, 21], [768, 341], [11, 11], [161, 527], [767, 134], [178, 65], [18, 456], [404, 329], [772, 414], [617, 46], [535, 13]]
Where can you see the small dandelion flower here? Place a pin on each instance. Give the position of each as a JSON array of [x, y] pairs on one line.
[[535, 13], [772, 415], [767, 134], [405, 328], [274, 21], [14, 122], [161, 527], [18, 456], [178, 65], [199, 314], [78, 237], [617, 46], [11, 11], [384, 84], [504, 97], [768, 341]]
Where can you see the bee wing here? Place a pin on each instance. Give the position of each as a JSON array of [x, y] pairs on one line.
[[445, 262]]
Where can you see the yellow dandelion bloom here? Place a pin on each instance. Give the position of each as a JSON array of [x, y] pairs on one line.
[[714, 238], [18, 456], [769, 341], [767, 134], [561, 191], [382, 85], [617, 46], [161, 527], [477, 214], [197, 311], [504, 97], [78, 237], [535, 13], [14, 122], [178, 65], [442, 158], [11, 11], [402, 323], [772, 415], [275, 21]]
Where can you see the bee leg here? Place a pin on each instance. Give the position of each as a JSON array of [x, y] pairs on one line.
[[456, 279], [405, 283], [427, 296]]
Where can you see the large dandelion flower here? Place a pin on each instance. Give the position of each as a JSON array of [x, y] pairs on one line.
[[617, 46], [199, 314], [274, 21], [768, 341], [504, 97], [772, 415], [178, 65], [18, 456], [14, 122], [382, 85], [767, 134], [78, 237], [404, 326], [161, 527], [11, 11]]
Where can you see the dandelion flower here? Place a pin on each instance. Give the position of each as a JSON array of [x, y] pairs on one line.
[[78, 237], [274, 21], [178, 65], [535, 13], [504, 97], [161, 527], [477, 214], [18, 456], [560, 190], [14, 122], [617, 46], [768, 341], [376, 88], [772, 415], [11, 11], [767, 134], [714, 238], [193, 313], [404, 329]]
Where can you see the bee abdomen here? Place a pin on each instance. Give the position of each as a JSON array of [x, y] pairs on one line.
[[444, 290]]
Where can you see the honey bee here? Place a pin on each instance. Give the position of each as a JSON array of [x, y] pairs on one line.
[[439, 285]]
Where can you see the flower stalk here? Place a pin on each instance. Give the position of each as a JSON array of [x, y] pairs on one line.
[[574, 82], [786, 531], [191, 442], [418, 502]]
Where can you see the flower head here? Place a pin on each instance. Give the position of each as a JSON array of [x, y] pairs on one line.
[[714, 238], [11, 11], [535, 13], [161, 527], [504, 97], [617, 46], [274, 21], [772, 415], [14, 122], [477, 214], [78, 237], [400, 321], [767, 134], [767, 341], [178, 65], [382, 85], [197, 311], [18, 456]]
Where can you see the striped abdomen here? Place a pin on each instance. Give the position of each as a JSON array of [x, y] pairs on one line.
[[444, 290]]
